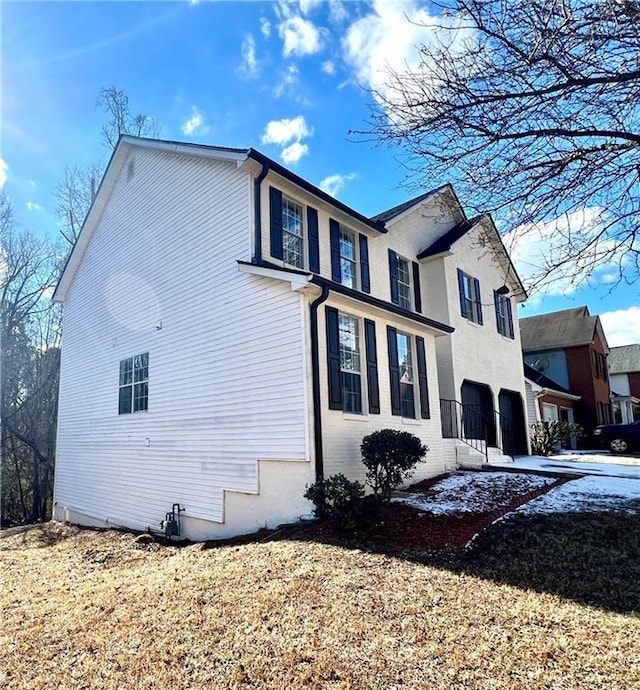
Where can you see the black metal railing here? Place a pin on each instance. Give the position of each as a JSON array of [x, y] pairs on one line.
[[471, 426], [466, 423]]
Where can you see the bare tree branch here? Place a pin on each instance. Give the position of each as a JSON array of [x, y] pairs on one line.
[[532, 109]]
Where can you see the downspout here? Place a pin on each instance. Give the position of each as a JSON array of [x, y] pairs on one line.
[[257, 204], [315, 382]]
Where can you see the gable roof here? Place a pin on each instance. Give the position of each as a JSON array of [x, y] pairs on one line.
[[237, 155], [624, 359], [391, 213], [446, 241], [559, 329]]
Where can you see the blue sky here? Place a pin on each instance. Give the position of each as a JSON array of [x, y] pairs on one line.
[[287, 78]]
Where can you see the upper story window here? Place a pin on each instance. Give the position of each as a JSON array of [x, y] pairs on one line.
[[405, 282], [600, 365], [350, 363], [504, 315], [349, 257], [292, 233], [134, 384], [470, 299]]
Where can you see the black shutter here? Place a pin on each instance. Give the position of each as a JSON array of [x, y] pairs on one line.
[[463, 301], [333, 359], [334, 238], [496, 303], [510, 319], [394, 370], [476, 290], [275, 210], [365, 283], [372, 366], [417, 293], [393, 275], [314, 240], [423, 383]]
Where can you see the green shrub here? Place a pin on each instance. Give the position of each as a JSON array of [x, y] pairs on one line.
[[337, 497], [549, 436], [390, 457]]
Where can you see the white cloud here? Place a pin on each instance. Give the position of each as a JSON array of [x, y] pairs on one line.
[[283, 131], [288, 133], [535, 249], [3, 172], [328, 67], [622, 327], [32, 206], [249, 61], [390, 37], [337, 11], [307, 6], [195, 125], [265, 27], [289, 79], [335, 183], [293, 153], [300, 37]]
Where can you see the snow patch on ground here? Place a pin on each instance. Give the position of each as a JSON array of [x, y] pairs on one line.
[[473, 492], [588, 494]]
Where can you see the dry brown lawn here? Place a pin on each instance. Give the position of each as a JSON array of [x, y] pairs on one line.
[[83, 609]]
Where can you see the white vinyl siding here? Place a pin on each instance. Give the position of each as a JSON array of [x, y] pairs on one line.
[[206, 326]]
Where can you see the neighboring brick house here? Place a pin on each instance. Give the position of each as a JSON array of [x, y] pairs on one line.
[[570, 348], [547, 400], [624, 375]]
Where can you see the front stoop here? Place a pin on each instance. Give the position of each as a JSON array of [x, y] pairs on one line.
[[469, 458]]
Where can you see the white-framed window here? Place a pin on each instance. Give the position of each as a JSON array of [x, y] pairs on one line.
[[348, 258], [407, 377], [292, 233], [470, 300], [350, 363], [504, 317], [133, 394], [404, 283]]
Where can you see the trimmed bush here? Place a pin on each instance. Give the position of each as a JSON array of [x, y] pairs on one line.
[[337, 497], [549, 436], [390, 457]]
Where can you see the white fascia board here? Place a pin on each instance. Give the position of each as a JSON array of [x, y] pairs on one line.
[[298, 281], [93, 216], [558, 394], [187, 149]]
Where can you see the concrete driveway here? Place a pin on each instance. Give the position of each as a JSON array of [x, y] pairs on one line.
[[578, 462]]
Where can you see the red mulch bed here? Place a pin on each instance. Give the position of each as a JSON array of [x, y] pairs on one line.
[[403, 527]]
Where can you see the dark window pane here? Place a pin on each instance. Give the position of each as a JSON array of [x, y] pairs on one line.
[[124, 402], [408, 401], [126, 371], [351, 393], [140, 397]]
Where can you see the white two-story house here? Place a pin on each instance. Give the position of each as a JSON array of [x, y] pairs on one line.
[[231, 333]]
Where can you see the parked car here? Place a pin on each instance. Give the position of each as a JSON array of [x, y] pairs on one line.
[[619, 438]]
